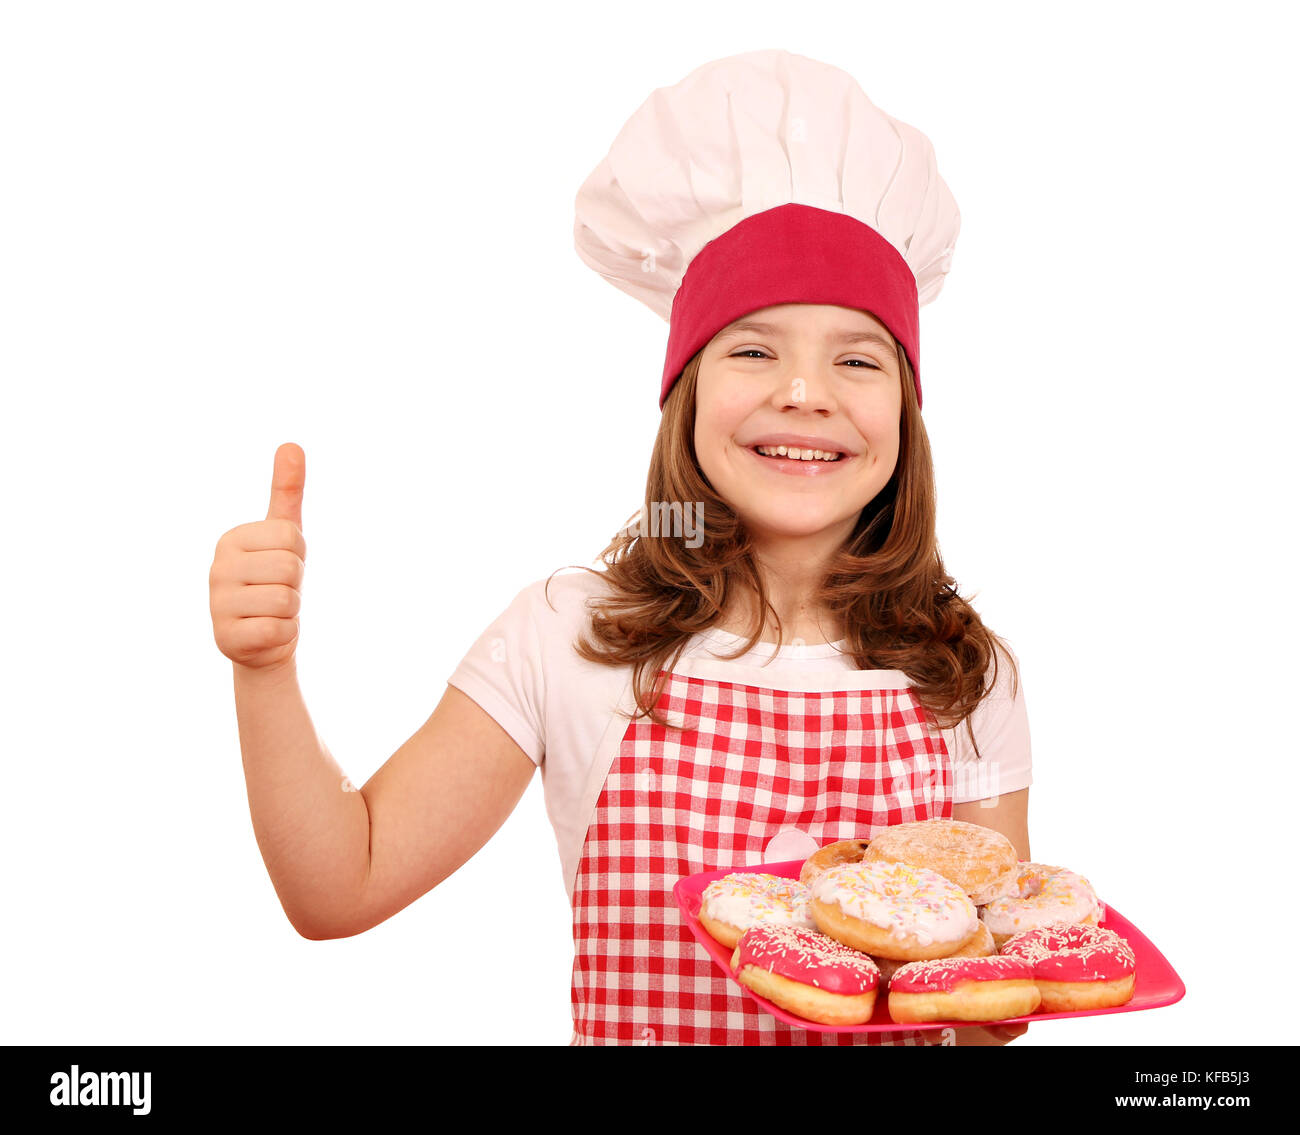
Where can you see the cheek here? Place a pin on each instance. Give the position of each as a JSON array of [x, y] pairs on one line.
[[880, 431], [885, 447], [732, 402], [720, 416]]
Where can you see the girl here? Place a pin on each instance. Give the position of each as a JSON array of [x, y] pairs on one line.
[[773, 657]]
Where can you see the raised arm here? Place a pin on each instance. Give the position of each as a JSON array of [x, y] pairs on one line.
[[433, 804], [342, 860]]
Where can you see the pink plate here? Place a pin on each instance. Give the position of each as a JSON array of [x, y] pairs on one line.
[[1157, 983]]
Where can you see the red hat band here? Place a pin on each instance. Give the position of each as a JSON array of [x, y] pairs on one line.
[[792, 254]]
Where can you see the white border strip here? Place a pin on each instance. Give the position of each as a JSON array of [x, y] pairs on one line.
[[611, 740], [780, 678]]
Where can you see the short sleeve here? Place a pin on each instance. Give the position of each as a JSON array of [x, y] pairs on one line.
[[503, 672], [1001, 727]]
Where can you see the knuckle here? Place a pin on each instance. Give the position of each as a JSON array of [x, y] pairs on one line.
[[292, 568], [291, 534], [266, 633]]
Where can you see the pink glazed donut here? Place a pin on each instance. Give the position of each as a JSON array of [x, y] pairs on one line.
[[807, 973], [963, 989], [1077, 966]]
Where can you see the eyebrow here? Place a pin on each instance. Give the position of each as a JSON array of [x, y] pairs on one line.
[[841, 337]]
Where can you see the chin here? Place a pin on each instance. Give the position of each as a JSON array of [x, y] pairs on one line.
[[788, 527]]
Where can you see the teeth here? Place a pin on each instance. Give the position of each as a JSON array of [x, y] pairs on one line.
[[796, 454]]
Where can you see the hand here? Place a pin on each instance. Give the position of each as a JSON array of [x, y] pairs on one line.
[[256, 576], [989, 1034]]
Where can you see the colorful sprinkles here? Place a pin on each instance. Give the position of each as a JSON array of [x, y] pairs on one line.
[[906, 900], [745, 898]]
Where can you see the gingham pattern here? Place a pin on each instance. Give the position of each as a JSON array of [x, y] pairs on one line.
[[752, 761]]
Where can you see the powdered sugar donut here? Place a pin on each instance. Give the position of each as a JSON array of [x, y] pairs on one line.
[[1077, 966], [893, 910], [832, 855], [981, 861], [734, 903], [807, 973], [1046, 894], [992, 988]]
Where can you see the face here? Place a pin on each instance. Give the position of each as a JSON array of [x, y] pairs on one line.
[[812, 376]]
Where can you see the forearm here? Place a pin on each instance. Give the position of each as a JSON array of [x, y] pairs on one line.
[[312, 827], [1008, 814]]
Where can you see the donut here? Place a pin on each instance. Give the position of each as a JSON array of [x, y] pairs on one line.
[[992, 988], [981, 861], [734, 903], [833, 854], [1046, 894], [981, 946], [1076, 966], [893, 910], [807, 973]]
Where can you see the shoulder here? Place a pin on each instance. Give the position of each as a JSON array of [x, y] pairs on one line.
[[991, 749], [556, 608], [563, 596], [1002, 677]]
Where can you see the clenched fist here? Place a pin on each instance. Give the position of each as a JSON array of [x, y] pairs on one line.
[[257, 571]]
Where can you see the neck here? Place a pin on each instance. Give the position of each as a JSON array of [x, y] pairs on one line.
[[792, 571]]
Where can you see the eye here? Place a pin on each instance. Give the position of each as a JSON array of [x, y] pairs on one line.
[[754, 352]]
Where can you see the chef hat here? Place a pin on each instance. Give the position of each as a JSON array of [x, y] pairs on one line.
[[767, 178]]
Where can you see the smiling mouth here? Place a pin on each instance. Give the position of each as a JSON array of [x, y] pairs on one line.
[[782, 452]]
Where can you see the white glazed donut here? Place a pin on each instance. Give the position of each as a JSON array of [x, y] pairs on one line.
[[734, 903], [1045, 895], [893, 910]]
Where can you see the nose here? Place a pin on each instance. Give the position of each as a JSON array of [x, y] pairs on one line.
[[804, 391]]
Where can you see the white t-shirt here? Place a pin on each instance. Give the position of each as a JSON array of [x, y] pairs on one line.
[[563, 711]]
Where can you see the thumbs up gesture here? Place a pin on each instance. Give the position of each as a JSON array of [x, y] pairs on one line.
[[256, 576]]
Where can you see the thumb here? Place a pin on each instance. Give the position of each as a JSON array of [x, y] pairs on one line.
[[286, 484]]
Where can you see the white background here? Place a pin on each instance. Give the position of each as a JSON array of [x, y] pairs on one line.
[[227, 226]]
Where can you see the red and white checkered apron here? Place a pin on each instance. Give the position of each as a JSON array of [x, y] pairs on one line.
[[753, 761]]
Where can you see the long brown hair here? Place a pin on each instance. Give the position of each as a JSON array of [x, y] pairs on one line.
[[900, 609]]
